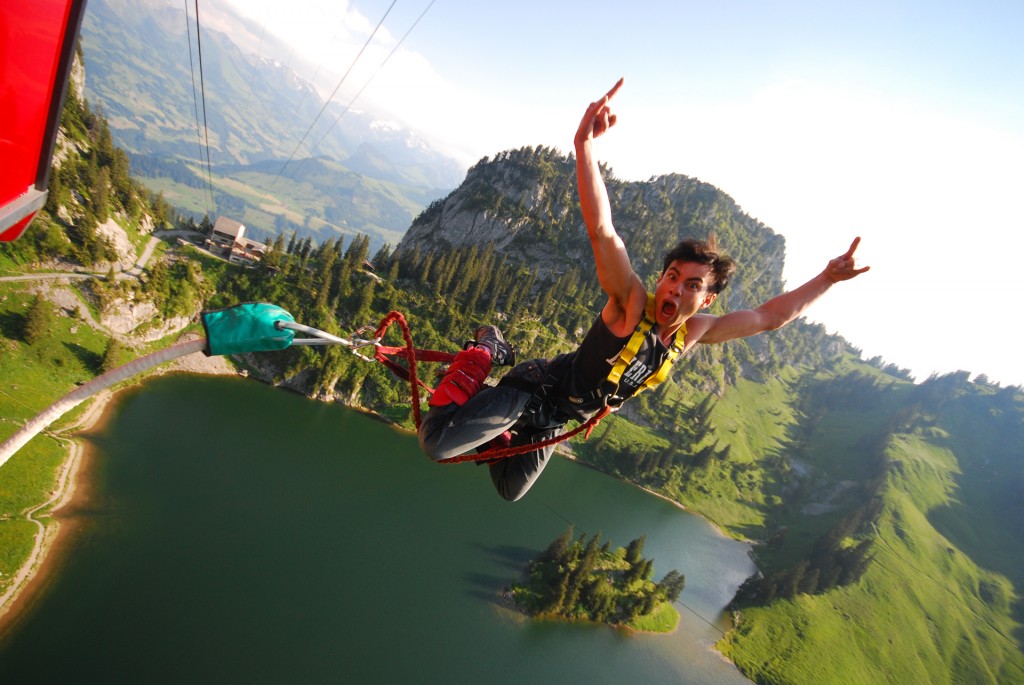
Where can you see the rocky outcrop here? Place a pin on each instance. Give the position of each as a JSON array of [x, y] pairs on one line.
[[262, 367], [524, 203], [117, 237], [140, 321], [121, 316]]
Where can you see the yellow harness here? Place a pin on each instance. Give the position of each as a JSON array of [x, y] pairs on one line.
[[633, 346]]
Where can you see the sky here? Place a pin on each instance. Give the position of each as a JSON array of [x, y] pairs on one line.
[[898, 121]]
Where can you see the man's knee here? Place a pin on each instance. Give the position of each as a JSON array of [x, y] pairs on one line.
[[432, 432]]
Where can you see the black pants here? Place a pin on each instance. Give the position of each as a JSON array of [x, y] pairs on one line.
[[451, 430]]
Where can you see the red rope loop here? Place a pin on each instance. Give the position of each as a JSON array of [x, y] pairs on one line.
[[411, 354]]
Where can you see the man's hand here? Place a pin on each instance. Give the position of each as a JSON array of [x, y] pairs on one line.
[[598, 118], [844, 267]]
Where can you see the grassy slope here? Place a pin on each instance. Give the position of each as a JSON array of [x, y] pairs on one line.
[[664, 619], [752, 419], [916, 616], [31, 377], [924, 611]]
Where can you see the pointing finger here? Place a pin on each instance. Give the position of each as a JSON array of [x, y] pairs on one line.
[[611, 93], [853, 248]]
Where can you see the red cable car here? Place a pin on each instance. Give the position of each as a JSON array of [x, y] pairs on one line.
[[37, 46]]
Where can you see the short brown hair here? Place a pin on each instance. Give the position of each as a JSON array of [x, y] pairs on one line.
[[703, 252]]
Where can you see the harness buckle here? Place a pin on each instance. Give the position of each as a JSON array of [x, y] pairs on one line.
[[613, 401], [608, 393]]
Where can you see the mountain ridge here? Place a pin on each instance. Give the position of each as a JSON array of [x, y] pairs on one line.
[[257, 109]]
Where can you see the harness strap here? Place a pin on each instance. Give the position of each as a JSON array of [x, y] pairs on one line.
[[628, 353], [553, 374], [412, 354], [496, 453]]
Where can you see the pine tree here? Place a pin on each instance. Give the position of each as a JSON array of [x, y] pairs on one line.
[[37, 321], [559, 547], [424, 268], [121, 180], [111, 355], [365, 303], [58, 193], [671, 586], [275, 254], [382, 260], [101, 195], [357, 251], [634, 549], [162, 211], [323, 288]]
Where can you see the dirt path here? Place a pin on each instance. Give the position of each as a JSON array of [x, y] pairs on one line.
[[134, 272]]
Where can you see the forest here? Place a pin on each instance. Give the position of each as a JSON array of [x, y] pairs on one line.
[[584, 579]]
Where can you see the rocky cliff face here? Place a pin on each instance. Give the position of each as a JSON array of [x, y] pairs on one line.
[[524, 203], [510, 203]]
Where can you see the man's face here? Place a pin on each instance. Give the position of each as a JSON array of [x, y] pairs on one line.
[[682, 291]]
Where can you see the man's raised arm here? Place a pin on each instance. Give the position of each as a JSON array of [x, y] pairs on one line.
[[614, 271]]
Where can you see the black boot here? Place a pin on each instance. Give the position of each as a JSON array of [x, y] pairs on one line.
[[502, 354]]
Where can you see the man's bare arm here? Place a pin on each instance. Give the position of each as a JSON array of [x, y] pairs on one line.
[[614, 271], [779, 310]]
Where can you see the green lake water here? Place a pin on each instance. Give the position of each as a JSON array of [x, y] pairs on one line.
[[243, 534]]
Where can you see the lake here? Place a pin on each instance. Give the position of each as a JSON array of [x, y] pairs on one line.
[[240, 533]]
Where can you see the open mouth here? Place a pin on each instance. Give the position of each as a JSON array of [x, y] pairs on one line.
[[668, 309]]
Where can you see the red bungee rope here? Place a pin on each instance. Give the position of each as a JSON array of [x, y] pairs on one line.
[[412, 355]]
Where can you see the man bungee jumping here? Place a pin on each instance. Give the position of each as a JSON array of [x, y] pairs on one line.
[[630, 346]]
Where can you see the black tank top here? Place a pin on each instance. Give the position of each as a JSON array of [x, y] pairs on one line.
[[596, 355]]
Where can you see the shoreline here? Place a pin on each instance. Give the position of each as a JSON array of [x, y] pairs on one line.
[[56, 518], [58, 523]]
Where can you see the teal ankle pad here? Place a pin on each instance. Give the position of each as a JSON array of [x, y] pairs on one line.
[[246, 327]]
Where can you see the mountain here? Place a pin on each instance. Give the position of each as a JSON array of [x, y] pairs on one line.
[[885, 514], [524, 202], [143, 76]]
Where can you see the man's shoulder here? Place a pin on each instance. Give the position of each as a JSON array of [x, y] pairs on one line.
[[622, 318], [697, 326]]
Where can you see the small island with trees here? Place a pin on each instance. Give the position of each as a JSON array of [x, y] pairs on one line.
[[584, 580]]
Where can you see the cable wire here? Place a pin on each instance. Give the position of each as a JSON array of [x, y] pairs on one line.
[[87, 390], [206, 121], [195, 103], [372, 76], [333, 93]]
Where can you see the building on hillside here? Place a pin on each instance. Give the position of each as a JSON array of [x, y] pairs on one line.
[[228, 239], [226, 231]]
